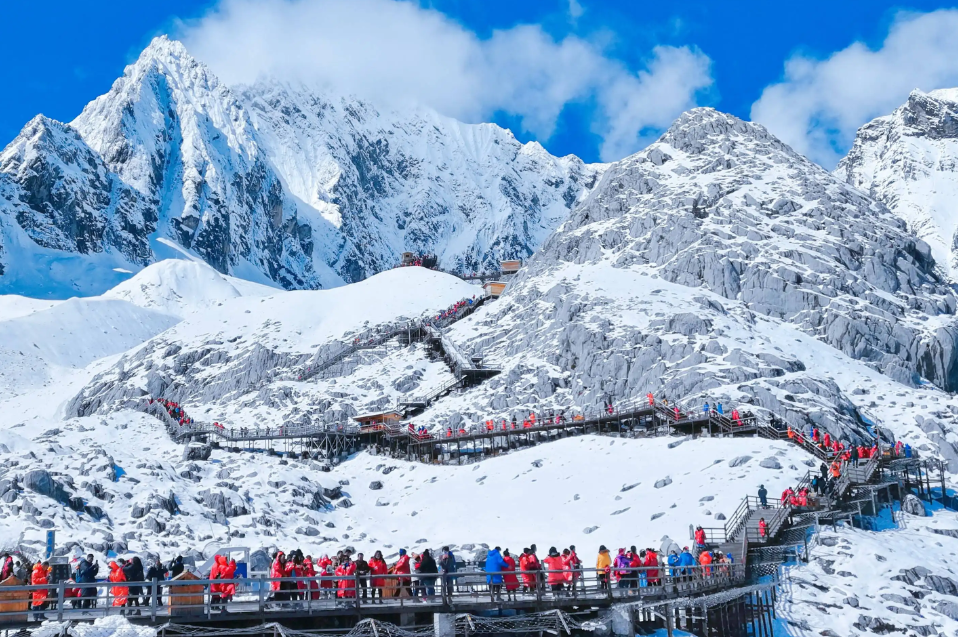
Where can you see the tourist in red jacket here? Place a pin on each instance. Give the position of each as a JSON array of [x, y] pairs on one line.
[[556, 570], [346, 572], [509, 579], [377, 567], [651, 564], [402, 567], [529, 565]]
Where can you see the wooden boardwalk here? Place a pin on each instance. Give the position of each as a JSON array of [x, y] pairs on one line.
[[191, 601]]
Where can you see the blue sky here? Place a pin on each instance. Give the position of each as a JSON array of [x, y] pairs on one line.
[[71, 52]]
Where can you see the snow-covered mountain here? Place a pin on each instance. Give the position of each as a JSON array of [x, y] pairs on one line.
[[719, 264], [267, 182], [716, 265], [909, 161], [414, 180]]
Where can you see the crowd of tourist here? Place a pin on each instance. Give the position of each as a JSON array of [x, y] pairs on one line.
[[174, 410], [455, 309], [295, 576]]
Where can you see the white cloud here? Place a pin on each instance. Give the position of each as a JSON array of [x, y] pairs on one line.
[[390, 51], [575, 10], [820, 104]]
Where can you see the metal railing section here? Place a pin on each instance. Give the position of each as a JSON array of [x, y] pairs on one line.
[[372, 594]]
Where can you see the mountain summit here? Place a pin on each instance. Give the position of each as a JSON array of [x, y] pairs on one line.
[[272, 182], [909, 161]]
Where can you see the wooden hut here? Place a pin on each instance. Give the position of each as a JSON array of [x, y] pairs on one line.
[[185, 599], [510, 266], [13, 602], [377, 421], [494, 289]]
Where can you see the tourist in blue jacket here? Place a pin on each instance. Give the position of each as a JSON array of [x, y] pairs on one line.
[[495, 565], [686, 559]]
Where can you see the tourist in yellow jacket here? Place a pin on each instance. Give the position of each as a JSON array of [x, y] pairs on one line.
[[603, 564]]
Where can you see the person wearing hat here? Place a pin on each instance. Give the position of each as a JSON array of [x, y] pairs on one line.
[[556, 569], [763, 496], [686, 561], [603, 565], [402, 568]]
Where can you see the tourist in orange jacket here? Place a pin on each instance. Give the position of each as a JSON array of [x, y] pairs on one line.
[[120, 593], [705, 559], [40, 576]]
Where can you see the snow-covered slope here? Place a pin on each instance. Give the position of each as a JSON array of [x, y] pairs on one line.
[[67, 224], [900, 580], [269, 182], [181, 287], [43, 344], [598, 490], [909, 161], [258, 346]]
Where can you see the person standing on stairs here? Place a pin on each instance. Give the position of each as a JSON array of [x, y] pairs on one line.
[[699, 538], [762, 528], [854, 456], [763, 496]]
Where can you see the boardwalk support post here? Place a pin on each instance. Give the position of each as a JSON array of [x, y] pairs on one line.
[[444, 624], [621, 621]]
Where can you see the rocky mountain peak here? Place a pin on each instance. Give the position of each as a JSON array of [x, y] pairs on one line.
[[698, 129], [277, 181], [908, 160], [723, 205]]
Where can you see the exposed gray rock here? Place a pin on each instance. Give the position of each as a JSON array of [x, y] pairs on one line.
[[333, 494], [375, 485], [942, 585], [948, 609], [770, 463], [153, 525], [876, 625], [40, 481], [224, 503], [196, 451], [912, 505], [664, 482], [738, 461]]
